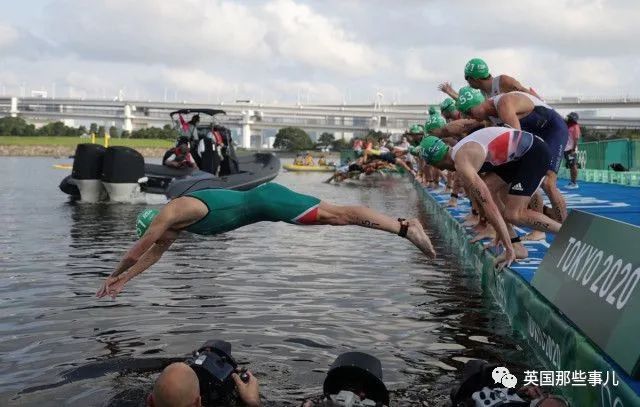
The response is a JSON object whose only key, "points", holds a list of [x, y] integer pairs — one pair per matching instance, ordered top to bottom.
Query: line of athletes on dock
{"points": [[497, 142]]}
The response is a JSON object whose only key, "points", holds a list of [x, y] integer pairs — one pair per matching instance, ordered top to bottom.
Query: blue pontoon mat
{"points": [[617, 202]]}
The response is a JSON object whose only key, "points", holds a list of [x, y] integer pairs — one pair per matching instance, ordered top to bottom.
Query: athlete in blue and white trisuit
{"points": [[523, 111], [215, 211]]}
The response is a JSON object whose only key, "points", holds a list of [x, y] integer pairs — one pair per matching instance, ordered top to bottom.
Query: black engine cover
{"points": [[87, 163], [122, 165]]}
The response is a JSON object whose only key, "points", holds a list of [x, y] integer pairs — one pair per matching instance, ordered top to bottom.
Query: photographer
{"points": [[210, 377], [353, 380]]}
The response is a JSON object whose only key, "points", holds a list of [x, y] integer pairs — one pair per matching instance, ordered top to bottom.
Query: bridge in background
{"points": [[252, 120]]}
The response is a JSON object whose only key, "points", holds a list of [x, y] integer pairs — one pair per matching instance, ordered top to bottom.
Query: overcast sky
{"points": [[317, 51]]}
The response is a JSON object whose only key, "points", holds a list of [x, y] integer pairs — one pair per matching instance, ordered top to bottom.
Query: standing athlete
{"points": [[570, 151], [215, 211]]}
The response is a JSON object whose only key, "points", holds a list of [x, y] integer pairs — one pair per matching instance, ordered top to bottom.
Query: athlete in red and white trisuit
{"points": [[516, 162]]}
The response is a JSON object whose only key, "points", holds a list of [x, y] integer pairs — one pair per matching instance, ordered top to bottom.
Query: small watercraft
{"points": [[309, 168], [120, 174]]}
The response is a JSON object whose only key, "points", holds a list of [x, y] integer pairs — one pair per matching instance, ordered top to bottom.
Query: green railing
{"points": [[600, 154], [596, 156]]}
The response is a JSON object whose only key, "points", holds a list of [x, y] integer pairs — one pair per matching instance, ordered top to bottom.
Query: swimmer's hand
{"points": [[446, 88], [505, 258], [112, 286], [248, 392]]}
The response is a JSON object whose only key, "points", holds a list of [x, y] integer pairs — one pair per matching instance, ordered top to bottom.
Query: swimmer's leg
{"points": [[550, 187], [274, 202], [536, 204], [336, 215]]}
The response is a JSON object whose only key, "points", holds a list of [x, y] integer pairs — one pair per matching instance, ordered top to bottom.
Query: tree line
{"points": [[17, 126], [296, 139]]}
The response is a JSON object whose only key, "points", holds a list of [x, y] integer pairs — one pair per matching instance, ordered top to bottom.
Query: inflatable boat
{"points": [[310, 168], [119, 174]]}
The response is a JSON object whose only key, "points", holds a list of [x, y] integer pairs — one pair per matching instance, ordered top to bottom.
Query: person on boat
{"points": [[477, 75], [523, 111], [190, 128], [571, 149], [179, 157], [308, 159], [298, 160], [322, 160], [518, 162], [215, 211]]}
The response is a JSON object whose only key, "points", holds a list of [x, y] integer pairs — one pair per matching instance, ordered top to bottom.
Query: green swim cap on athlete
{"points": [[476, 69], [468, 98], [448, 105], [433, 110], [434, 122], [416, 129], [431, 149], [144, 220]]}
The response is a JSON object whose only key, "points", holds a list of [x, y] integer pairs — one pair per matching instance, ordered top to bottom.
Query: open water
{"points": [[288, 298]]}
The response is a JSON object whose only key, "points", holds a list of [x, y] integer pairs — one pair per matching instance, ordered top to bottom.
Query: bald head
{"points": [[177, 386]]}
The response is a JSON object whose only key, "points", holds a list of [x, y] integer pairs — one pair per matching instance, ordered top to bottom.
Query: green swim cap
{"points": [[476, 69], [468, 98], [448, 105], [433, 110], [434, 122], [416, 129], [432, 149], [144, 220]]}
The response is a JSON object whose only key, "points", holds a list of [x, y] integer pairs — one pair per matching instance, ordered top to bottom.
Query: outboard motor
{"points": [[123, 167], [87, 172]]}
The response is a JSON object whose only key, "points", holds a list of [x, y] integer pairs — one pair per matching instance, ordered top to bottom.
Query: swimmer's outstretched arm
{"points": [[144, 253], [114, 284]]}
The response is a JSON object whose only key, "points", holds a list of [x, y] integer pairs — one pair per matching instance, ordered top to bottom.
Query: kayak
{"points": [[311, 168]]}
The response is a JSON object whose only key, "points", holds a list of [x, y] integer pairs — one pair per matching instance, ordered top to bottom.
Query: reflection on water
{"points": [[288, 298]]}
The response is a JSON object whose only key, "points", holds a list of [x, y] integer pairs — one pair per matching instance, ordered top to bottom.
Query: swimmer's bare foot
{"points": [[468, 216], [472, 221], [481, 226], [486, 233], [416, 235], [534, 235], [520, 251]]}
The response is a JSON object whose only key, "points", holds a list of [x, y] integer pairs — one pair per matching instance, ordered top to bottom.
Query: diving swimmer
{"points": [[215, 211]]}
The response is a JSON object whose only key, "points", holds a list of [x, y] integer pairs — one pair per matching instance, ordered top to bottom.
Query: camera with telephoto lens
{"points": [[213, 364], [355, 379]]}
